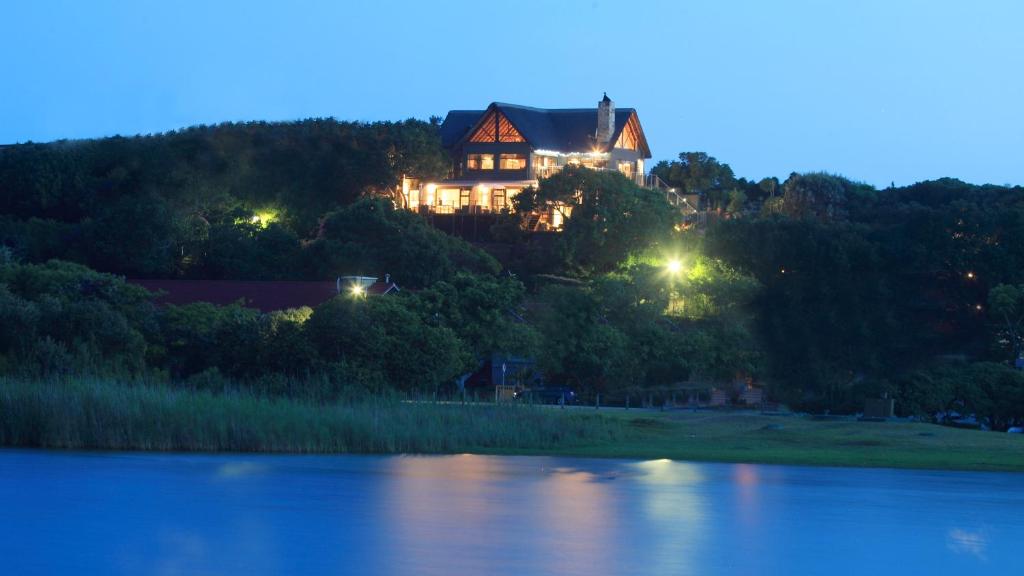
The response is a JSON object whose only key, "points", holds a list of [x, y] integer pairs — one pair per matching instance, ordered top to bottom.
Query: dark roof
{"points": [[456, 124], [561, 129], [381, 288], [265, 296]]}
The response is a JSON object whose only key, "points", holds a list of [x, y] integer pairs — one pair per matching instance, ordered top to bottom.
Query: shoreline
{"points": [[104, 415], [575, 455]]}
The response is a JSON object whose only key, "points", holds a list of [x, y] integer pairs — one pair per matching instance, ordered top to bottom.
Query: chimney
{"points": [[605, 122], [387, 278]]}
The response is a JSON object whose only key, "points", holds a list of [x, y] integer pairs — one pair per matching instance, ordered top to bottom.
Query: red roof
{"points": [[265, 296]]}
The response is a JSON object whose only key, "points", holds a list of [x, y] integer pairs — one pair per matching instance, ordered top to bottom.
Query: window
{"points": [[496, 128], [488, 131], [507, 132], [630, 137], [480, 162], [512, 162], [626, 168], [510, 193], [448, 196], [498, 199]]}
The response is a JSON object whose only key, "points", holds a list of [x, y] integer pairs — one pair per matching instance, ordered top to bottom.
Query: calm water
{"points": [[106, 513]]}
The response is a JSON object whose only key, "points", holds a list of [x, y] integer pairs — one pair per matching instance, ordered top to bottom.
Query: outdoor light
{"points": [[674, 266], [970, 275], [357, 290]]}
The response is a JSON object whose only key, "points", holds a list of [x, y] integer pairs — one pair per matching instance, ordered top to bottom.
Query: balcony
{"points": [[540, 172]]}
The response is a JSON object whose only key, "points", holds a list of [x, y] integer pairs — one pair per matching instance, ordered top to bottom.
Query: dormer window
{"points": [[480, 161]]}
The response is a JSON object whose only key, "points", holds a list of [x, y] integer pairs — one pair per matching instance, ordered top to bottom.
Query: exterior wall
{"points": [[635, 157]]}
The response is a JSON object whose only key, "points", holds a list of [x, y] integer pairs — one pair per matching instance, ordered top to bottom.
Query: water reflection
{"points": [[178, 514], [964, 542]]}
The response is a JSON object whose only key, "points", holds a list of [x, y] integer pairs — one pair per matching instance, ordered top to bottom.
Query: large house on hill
{"points": [[499, 151]]}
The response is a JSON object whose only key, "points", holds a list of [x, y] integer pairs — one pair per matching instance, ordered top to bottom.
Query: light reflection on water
{"points": [[187, 514]]}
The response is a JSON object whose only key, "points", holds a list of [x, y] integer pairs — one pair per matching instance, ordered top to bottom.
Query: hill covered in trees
{"points": [[226, 201], [824, 289]]}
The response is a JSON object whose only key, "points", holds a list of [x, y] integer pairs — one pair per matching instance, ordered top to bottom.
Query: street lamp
{"points": [[674, 267]]}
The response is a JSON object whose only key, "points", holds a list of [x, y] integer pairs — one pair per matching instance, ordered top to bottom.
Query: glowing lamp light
{"points": [[674, 266], [970, 275], [357, 290]]}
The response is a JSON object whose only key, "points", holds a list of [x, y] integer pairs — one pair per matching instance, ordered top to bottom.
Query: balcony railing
{"points": [[540, 172]]}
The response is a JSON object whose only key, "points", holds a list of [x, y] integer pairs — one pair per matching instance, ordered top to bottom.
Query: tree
{"points": [[695, 173], [822, 196], [737, 200], [144, 205], [608, 217], [371, 237], [1006, 306], [482, 311], [823, 315], [61, 317], [386, 340], [580, 347], [995, 393]]}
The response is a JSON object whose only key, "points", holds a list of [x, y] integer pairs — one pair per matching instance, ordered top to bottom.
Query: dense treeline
{"points": [[227, 201], [824, 289], [867, 292], [61, 318]]}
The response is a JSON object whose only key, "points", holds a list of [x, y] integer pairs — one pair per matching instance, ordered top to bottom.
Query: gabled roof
{"points": [[561, 129], [382, 288]]}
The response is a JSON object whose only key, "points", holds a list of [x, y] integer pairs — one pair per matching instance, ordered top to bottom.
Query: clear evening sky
{"points": [[877, 90]]}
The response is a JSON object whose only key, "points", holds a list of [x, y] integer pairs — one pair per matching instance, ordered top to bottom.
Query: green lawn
{"points": [[107, 415], [733, 437]]}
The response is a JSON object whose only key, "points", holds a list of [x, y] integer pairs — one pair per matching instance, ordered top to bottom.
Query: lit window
{"points": [[488, 131], [507, 132], [630, 137], [480, 162], [513, 162], [510, 194], [448, 196], [498, 199]]}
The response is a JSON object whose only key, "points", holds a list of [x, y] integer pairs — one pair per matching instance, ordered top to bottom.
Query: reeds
{"points": [[97, 413]]}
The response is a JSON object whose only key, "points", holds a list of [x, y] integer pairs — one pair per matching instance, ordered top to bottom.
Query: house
{"points": [[497, 152]]}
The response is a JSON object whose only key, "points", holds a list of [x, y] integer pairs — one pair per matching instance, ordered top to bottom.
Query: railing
{"points": [[540, 172], [467, 209]]}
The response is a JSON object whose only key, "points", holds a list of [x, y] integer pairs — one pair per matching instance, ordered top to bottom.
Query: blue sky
{"points": [[880, 91]]}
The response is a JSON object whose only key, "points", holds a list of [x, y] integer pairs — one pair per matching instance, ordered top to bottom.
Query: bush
{"points": [[372, 237]]}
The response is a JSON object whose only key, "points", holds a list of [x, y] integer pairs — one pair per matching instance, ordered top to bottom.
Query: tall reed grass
{"points": [[97, 413]]}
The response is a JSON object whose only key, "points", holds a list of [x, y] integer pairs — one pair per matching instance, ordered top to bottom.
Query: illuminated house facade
{"points": [[499, 151]]}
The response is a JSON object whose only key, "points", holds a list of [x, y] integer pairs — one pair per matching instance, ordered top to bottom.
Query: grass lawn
{"points": [[108, 415], [737, 437]]}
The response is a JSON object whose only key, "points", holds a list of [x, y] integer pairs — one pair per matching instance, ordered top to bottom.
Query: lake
{"points": [[140, 513]]}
